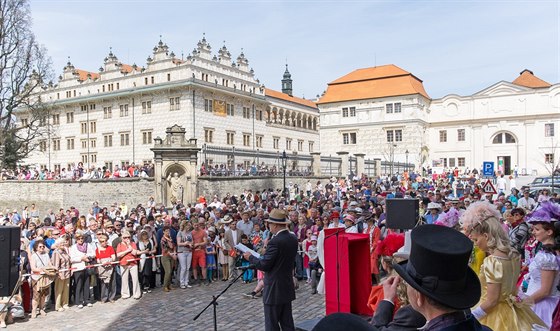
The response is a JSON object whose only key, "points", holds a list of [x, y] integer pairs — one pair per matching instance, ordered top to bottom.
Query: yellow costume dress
{"points": [[477, 257], [508, 314]]}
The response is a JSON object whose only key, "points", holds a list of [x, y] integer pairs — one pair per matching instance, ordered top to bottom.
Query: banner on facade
{"points": [[220, 108]]}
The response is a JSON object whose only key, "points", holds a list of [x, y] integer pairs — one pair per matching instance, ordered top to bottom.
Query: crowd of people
{"points": [[253, 169], [79, 172], [77, 258]]}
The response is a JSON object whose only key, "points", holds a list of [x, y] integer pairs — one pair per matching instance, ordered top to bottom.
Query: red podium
{"points": [[347, 272]]}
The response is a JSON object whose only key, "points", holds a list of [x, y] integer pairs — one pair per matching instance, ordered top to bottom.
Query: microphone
{"points": [[250, 266]]}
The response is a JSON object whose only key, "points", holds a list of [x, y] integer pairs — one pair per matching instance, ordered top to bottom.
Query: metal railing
{"points": [[231, 161]]}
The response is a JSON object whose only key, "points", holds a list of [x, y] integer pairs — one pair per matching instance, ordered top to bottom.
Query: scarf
{"points": [[82, 248]]}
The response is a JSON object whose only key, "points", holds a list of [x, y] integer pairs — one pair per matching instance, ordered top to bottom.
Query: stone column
{"points": [[316, 164], [344, 164], [360, 164], [377, 167], [160, 181]]}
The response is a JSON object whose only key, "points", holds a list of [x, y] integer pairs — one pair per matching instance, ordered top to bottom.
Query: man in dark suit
{"points": [[278, 265]]}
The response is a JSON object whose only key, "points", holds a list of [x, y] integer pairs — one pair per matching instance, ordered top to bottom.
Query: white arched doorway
{"points": [[505, 149]]}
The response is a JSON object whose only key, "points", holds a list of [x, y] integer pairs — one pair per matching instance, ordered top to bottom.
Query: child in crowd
{"points": [[210, 255], [248, 274]]}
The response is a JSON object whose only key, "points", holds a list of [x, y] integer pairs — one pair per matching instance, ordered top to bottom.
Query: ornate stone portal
{"points": [[175, 167]]}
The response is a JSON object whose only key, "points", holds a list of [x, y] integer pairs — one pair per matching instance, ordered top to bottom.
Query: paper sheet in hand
{"points": [[244, 249]]}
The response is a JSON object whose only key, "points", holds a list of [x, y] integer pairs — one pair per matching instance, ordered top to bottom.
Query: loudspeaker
{"points": [[402, 213], [9, 259]]}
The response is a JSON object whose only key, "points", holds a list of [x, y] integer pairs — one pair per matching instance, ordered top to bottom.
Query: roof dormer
{"points": [[203, 49], [225, 55]]}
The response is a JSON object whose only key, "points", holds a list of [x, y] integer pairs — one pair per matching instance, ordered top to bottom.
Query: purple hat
{"points": [[548, 212]]}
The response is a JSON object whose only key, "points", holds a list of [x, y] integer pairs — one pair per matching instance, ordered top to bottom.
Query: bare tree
{"points": [[24, 66]]}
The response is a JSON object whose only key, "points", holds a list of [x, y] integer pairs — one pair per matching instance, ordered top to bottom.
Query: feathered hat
{"points": [[547, 213], [449, 218], [390, 245]]}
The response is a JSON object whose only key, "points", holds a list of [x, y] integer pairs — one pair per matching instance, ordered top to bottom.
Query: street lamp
{"points": [[406, 153], [284, 160]]}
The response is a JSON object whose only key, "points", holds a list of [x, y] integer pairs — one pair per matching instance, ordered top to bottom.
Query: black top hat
{"points": [[438, 266]]}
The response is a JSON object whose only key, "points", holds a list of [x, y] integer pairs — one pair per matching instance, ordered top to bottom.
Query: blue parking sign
{"points": [[488, 169]]}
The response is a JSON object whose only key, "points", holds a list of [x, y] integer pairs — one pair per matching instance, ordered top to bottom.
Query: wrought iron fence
{"points": [[231, 161], [331, 166], [388, 167]]}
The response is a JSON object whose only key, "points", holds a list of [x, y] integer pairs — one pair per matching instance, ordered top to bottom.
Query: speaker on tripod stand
{"points": [[9, 258]]}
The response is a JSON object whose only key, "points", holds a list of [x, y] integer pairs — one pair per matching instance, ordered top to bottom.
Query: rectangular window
{"points": [[168, 77], [153, 80], [146, 81], [174, 103], [208, 105], [92, 106], [83, 107], [146, 107], [397, 107], [389, 108], [230, 109], [123, 110], [352, 111], [107, 112], [246, 112], [345, 112], [259, 115], [70, 117], [56, 119], [24, 122], [92, 127], [83, 128], [549, 130], [460, 134], [208, 135], [398, 135], [390, 136], [443, 136], [147, 137], [230, 138], [349, 138], [125, 139], [246, 139], [108, 140], [259, 141], [275, 142], [69, 143], [84, 143], [93, 143], [56, 144], [288, 144], [300, 145], [43, 146], [310, 147], [93, 157], [84, 158], [549, 158], [461, 161], [444, 162], [452, 162], [109, 165]]}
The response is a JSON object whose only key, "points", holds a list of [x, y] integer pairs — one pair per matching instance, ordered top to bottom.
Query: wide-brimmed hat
{"points": [[434, 205], [549, 212], [278, 216], [351, 218], [227, 219], [438, 266]]}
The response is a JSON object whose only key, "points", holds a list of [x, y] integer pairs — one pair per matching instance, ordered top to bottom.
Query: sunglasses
{"points": [[126, 237], [102, 241], [41, 246]]}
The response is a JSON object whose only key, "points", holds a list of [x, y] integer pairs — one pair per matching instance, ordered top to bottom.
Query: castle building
{"points": [[386, 113], [111, 117]]}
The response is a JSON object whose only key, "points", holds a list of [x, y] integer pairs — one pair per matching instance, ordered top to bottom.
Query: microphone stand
{"points": [[214, 302]]}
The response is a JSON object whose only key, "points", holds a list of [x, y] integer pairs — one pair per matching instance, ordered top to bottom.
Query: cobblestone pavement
{"points": [[175, 311]]}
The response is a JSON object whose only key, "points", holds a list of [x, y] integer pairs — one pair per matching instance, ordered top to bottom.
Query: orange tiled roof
{"points": [[127, 68], [83, 74], [527, 79], [375, 82], [283, 96]]}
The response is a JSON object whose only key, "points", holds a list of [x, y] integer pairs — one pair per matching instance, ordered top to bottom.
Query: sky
{"points": [[455, 47]]}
